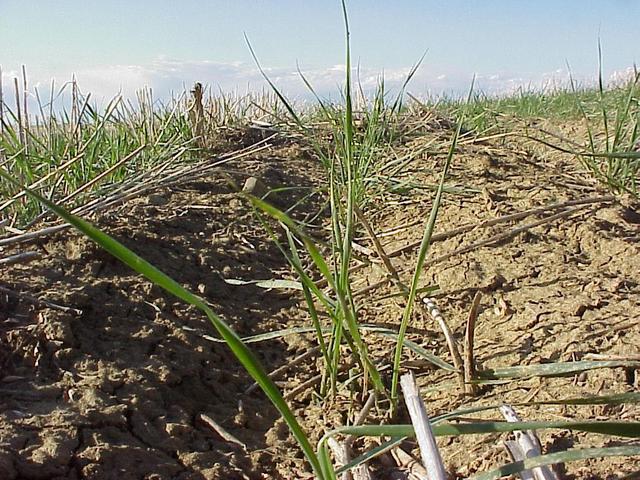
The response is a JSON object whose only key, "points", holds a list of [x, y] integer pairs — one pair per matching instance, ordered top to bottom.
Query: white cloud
{"points": [[165, 75]]}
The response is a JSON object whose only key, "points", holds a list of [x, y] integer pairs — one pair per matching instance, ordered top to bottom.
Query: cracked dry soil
{"points": [[117, 392]]}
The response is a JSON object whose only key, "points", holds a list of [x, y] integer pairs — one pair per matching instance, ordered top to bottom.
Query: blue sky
{"points": [[116, 45]]}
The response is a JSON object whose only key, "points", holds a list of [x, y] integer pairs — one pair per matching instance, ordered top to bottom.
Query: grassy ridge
{"points": [[69, 153]]}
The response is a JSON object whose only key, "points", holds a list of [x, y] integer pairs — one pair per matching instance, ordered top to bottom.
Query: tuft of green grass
{"points": [[613, 130], [352, 162]]}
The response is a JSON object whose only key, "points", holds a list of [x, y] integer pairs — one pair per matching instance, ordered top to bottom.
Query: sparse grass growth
{"points": [[72, 152], [58, 159]]}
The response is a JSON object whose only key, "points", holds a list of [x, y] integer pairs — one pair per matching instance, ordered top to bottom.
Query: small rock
{"points": [[255, 187], [156, 200], [235, 204]]}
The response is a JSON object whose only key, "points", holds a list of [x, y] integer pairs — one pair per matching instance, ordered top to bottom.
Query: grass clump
{"points": [[613, 130]]}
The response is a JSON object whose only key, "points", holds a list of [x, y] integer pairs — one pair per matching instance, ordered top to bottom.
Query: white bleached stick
{"points": [[420, 420], [526, 445]]}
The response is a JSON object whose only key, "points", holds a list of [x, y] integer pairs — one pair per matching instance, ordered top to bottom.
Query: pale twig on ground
{"points": [[506, 218], [506, 235], [27, 237], [438, 237], [482, 243], [377, 245], [24, 257], [434, 312], [631, 357], [469, 361], [217, 428], [526, 445], [340, 456], [431, 457], [414, 470], [361, 472]]}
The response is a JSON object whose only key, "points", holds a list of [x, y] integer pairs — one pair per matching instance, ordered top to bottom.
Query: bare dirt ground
{"points": [[122, 389]]}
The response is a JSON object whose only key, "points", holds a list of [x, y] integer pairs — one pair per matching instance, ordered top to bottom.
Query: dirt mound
{"points": [[133, 386], [119, 390]]}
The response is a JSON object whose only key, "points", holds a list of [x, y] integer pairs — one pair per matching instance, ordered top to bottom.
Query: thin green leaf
{"points": [[552, 369], [620, 429], [558, 457]]}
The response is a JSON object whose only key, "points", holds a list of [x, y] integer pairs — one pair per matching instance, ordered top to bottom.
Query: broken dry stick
{"points": [[24, 257], [41, 301], [434, 312], [469, 362], [280, 370], [209, 422], [525, 446], [431, 457], [415, 471]]}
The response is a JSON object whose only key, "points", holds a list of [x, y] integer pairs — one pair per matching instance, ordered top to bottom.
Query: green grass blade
{"points": [[553, 369], [617, 399], [620, 429], [557, 457], [325, 463]]}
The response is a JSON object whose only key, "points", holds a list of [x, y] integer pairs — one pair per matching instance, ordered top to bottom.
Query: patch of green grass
{"points": [[70, 153]]}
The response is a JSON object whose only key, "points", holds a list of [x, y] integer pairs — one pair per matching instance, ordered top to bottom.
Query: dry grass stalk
{"points": [[196, 114], [25, 117], [21, 134], [108, 171], [152, 179], [41, 180], [506, 218], [483, 224], [506, 235], [27, 237], [483, 243], [378, 247], [24, 257], [40, 301], [429, 305], [436, 315], [631, 357], [469, 362], [279, 371], [217, 428], [340, 456], [431, 457], [409, 464], [361, 472]]}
